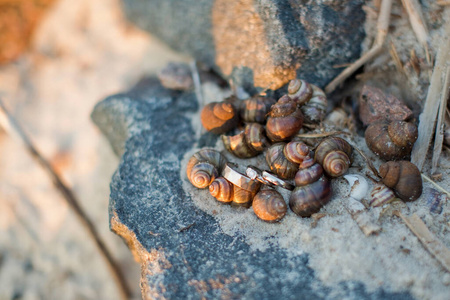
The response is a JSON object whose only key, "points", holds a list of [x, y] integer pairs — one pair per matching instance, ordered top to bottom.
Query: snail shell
{"points": [[300, 91], [255, 109], [314, 110], [219, 117], [284, 121], [391, 141], [248, 143], [334, 155], [283, 159], [204, 166], [308, 172], [403, 177], [222, 190], [380, 195], [242, 197], [308, 199], [269, 205]]}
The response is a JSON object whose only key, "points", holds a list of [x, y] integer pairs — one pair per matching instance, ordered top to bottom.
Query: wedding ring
{"points": [[255, 173], [235, 177], [277, 181]]}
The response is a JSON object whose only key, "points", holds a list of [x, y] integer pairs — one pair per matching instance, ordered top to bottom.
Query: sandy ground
{"points": [[82, 52]]}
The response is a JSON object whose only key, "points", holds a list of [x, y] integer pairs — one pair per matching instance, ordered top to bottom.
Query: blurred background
{"points": [[58, 58]]}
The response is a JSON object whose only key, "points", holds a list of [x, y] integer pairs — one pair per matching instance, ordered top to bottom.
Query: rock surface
{"points": [[263, 43], [183, 251]]}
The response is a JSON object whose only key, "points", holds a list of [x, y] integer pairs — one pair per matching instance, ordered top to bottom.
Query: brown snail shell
{"points": [[300, 91], [255, 109], [314, 110], [219, 117], [284, 120], [391, 141], [248, 143], [334, 154], [283, 159], [204, 166], [309, 171], [403, 177], [222, 190], [380, 195], [242, 197], [309, 199], [269, 206]]}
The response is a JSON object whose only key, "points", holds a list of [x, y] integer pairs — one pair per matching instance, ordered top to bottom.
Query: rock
{"points": [[18, 21], [261, 43], [374, 105], [183, 251]]}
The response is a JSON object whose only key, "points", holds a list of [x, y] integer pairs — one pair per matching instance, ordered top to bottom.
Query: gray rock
{"points": [[263, 43], [183, 251]]}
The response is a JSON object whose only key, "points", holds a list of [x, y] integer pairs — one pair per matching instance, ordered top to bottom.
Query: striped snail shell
{"points": [[300, 91], [255, 109], [314, 110], [219, 117], [284, 120], [391, 140], [248, 143], [334, 154], [283, 159], [204, 166], [403, 177], [222, 190], [313, 190], [380, 195], [269, 205]]}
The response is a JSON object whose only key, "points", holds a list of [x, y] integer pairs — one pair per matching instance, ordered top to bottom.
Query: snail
{"points": [[176, 76], [311, 98], [255, 109], [219, 117], [284, 120], [391, 140], [248, 143], [334, 154], [283, 159], [204, 166], [403, 177], [313, 189], [222, 190], [226, 192], [380, 195], [269, 205]]}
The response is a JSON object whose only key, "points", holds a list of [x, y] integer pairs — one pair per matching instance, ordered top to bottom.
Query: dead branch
{"points": [[418, 24]]}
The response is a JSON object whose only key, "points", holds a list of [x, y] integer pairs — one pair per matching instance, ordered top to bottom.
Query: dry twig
{"points": [[443, 2], [418, 24], [382, 29], [427, 119], [14, 130], [320, 135], [439, 137], [435, 184], [429, 241]]}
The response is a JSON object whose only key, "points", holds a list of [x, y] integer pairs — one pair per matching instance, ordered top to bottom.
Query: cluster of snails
{"points": [[270, 126]]}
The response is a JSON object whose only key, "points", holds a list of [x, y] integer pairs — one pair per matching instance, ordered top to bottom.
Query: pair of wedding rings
{"points": [[253, 179]]}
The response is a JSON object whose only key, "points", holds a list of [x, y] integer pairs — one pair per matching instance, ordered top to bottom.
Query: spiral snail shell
{"points": [[300, 91], [311, 98], [255, 109], [219, 117], [284, 120], [391, 140], [248, 143], [334, 155], [283, 159], [204, 166], [403, 177], [222, 190], [313, 190], [380, 195], [269, 205]]}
